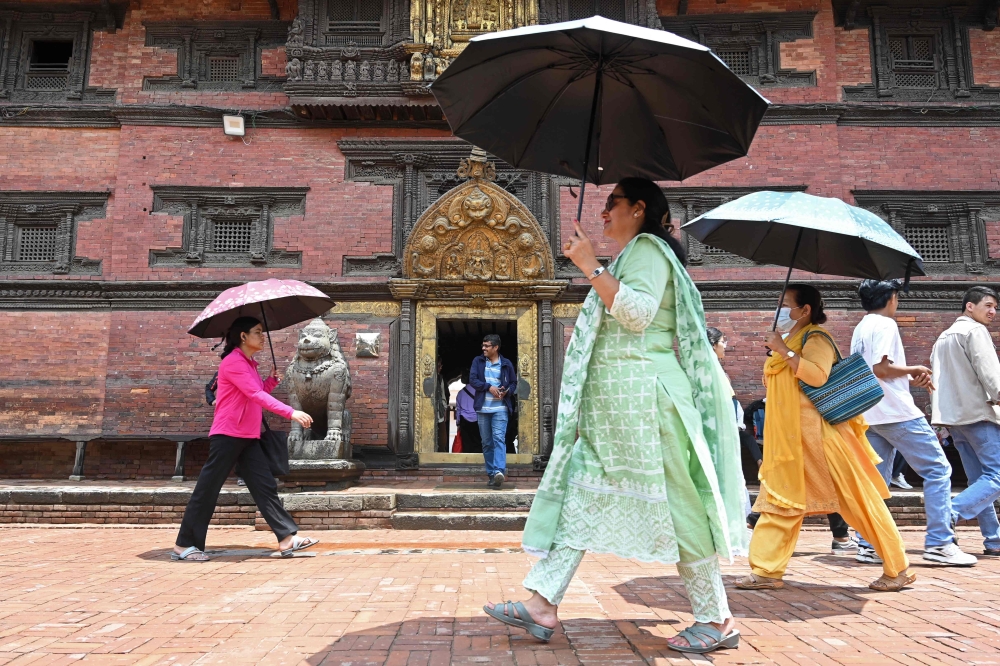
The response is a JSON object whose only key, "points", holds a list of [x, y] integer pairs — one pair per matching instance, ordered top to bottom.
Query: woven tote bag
{"points": [[851, 388]]}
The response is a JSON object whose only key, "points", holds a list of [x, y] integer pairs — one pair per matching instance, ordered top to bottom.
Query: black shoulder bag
{"points": [[275, 446]]}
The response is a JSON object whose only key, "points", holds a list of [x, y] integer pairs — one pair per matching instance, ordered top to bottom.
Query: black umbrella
{"points": [[599, 100]]}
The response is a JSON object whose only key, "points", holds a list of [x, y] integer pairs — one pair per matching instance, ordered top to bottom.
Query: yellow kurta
{"points": [[813, 467]]}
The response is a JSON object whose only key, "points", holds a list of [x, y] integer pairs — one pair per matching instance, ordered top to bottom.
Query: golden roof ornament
{"points": [[476, 166]]}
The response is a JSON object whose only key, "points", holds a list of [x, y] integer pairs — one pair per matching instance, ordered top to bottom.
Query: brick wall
{"points": [[985, 47], [121, 59], [341, 218], [53, 374]]}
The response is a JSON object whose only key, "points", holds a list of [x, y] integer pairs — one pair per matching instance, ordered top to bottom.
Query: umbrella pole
{"points": [[590, 136], [788, 277], [274, 363]]}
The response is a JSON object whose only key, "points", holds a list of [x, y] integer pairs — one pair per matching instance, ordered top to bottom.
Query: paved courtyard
{"points": [[111, 595]]}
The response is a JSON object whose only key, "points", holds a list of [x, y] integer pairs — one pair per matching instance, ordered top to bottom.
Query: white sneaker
{"points": [[900, 482], [949, 554], [867, 555]]}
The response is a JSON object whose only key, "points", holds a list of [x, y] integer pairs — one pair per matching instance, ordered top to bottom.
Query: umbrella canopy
{"points": [[599, 98], [816, 234], [279, 303]]}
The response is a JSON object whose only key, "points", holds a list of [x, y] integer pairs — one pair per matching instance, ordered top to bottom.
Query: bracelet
{"points": [[597, 272]]}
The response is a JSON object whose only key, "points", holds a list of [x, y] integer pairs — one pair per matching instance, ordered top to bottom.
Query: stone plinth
{"points": [[322, 463]]}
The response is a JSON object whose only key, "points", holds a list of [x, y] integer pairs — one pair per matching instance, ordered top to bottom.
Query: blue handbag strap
{"points": [[805, 337]]}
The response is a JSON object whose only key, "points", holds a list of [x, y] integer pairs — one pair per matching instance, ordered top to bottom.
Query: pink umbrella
{"points": [[279, 304]]}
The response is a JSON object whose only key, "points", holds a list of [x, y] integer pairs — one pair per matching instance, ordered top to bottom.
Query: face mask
{"points": [[785, 321]]}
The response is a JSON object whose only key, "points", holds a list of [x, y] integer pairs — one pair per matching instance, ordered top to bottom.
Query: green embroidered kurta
{"points": [[646, 451]]}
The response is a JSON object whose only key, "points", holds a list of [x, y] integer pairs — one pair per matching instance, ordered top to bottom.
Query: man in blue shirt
{"points": [[495, 382]]}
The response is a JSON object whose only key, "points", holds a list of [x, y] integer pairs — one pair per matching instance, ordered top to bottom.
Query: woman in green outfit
{"points": [[645, 462]]}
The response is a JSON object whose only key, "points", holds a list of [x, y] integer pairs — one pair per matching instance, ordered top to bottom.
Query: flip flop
{"points": [[299, 543], [186, 555], [755, 582], [886, 584], [505, 613], [708, 638]]}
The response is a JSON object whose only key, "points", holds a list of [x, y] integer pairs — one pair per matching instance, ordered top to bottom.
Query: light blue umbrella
{"points": [[817, 234]]}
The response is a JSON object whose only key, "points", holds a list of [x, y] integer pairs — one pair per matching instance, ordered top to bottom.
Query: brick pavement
{"points": [[110, 596]]}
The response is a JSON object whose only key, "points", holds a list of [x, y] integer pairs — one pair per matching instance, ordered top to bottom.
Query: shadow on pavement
{"points": [[231, 553], [668, 593], [477, 640]]}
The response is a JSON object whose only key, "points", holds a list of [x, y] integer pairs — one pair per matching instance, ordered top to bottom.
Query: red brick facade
{"points": [[130, 376]]}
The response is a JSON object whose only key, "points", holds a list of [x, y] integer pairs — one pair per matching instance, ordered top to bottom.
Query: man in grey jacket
{"points": [[964, 362]]}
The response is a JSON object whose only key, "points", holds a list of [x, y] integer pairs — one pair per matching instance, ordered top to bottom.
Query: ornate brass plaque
{"points": [[478, 232]]}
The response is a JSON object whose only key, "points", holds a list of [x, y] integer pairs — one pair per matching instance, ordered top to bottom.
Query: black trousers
{"points": [[223, 453], [837, 525]]}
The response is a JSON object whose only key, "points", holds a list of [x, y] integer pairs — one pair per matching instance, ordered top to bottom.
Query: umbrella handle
{"points": [[788, 277], [274, 362]]}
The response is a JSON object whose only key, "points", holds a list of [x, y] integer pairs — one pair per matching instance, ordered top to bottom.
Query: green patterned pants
{"points": [[703, 580]]}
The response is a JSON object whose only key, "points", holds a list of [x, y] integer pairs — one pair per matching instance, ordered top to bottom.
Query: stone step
{"points": [[503, 500], [444, 519]]}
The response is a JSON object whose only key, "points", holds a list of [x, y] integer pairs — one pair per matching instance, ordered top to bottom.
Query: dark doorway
{"points": [[458, 342]]}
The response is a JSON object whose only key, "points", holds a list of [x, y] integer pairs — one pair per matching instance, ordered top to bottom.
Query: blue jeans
{"points": [[493, 430], [919, 446], [978, 470]]}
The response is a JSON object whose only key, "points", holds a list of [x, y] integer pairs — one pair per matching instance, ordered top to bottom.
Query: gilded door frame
{"points": [[525, 313]]}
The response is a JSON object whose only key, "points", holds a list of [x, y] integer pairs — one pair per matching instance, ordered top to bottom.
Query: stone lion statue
{"points": [[318, 382]]}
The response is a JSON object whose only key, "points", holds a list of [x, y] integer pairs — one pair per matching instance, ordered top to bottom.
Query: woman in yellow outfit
{"points": [[812, 467]]}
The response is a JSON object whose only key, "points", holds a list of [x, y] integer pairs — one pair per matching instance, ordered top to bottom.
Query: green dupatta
{"points": [[716, 441]]}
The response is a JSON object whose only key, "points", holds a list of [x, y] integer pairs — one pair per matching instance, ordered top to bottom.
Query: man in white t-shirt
{"points": [[897, 426]]}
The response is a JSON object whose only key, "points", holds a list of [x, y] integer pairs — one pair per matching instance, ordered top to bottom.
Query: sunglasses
{"points": [[610, 203]]}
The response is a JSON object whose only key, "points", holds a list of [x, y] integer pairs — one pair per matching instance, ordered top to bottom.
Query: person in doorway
{"points": [[965, 364], [495, 382], [442, 400], [466, 419], [896, 424], [235, 437], [642, 465], [810, 466]]}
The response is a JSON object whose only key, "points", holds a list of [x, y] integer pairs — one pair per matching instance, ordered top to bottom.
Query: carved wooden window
{"points": [[612, 9], [637, 12], [361, 22], [750, 44], [216, 55], [918, 55], [45, 56], [738, 60], [913, 61], [49, 64], [223, 68], [227, 227], [947, 228], [38, 231], [931, 241], [36, 243]]}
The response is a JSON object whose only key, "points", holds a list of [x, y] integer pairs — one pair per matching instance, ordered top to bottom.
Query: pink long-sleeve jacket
{"points": [[242, 397]]}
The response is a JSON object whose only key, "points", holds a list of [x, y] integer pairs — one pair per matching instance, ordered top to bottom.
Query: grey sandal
{"points": [[299, 543], [190, 554], [505, 613], [708, 638]]}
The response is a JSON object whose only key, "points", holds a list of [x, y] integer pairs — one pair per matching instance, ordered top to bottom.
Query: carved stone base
{"points": [[319, 449], [330, 474]]}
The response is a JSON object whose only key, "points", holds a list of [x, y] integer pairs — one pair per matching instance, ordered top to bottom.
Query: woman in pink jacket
{"points": [[240, 400]]}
